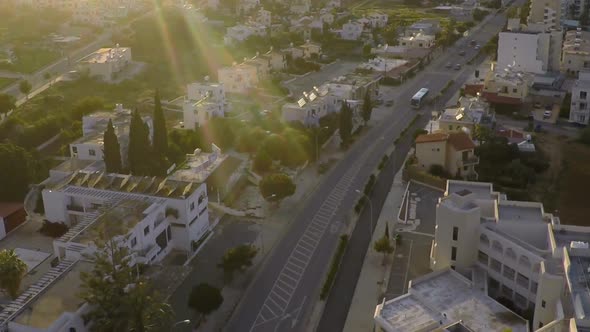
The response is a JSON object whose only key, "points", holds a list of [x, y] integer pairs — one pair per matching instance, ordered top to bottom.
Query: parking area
{"points": [[546, 113], [412, 255]]}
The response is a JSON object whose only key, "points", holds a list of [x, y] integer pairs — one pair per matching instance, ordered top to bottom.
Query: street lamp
{"points": [[317, 149], [370, 207], [186, 321]]}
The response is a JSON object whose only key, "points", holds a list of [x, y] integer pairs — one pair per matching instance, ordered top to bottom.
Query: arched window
{"points": [[483, 239], [497, 246], [511, 254], [524, 261], [536, 267], [72, 329]]}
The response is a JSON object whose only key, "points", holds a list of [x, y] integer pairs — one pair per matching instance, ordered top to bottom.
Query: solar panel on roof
{"points": [[312, 96], [301, 102]]}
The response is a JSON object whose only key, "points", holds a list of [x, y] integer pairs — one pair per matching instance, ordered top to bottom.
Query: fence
{"points": [[412, 172]]}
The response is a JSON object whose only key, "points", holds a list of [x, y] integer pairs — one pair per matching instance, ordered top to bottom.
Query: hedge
{"points": [[334, 266]]}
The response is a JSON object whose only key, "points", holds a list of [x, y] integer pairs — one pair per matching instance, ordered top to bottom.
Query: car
{"points": [[472, 42], [477, 47], [461, 53], [448, 65], [458, 66], [537, 105], [547, 114]]}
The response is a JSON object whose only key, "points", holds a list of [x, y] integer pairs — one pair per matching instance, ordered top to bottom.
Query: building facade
{"points": [[576, 52], [106, 63], [580, 104], [455, 152]]}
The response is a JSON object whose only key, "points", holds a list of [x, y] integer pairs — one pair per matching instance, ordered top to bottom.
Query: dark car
{"points": [[461, 53]]}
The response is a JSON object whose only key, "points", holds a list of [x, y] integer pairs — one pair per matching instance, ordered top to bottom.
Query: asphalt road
{"points": [[283, 294]]}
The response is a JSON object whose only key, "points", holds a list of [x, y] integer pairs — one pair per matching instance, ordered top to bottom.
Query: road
{"points": [[285, 290]]}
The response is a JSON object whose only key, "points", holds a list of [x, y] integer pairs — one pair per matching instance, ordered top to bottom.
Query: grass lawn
{"points": [[33, 59], [4, 82]]}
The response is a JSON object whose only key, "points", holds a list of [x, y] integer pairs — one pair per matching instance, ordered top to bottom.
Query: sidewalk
{"points": [[372, 282]]}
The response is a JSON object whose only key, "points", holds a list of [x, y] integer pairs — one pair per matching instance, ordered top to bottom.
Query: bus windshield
{"points": [[418, 98]]}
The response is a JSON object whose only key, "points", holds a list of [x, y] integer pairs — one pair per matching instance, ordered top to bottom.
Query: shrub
{"points": [[437, 170], [53, 229], [334, 266]]}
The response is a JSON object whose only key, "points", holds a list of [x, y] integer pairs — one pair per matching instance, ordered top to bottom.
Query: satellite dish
{"points": [[207, 78]]}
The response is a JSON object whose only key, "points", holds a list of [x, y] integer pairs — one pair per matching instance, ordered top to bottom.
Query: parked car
{"points": [[472, 42], [477, 47], [461, 53], [448, 65], [458, 66], [537, 105], [547, 114]]}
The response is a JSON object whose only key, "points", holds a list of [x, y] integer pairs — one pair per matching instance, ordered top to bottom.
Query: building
{"points": [[246, 6], [299, 7], [572, 9], [546, 12], [263, 17], [378, 20], [427, 27], [352, 30], [239, 33], [418, 40], [311, 50], [530, 50], [403, 52], [576, 52], [276, 59], [106, 63], [382, 65], [241, 78], [506, 86], [199, 90], [580, 106], [311, 107], [197, 113], [469, 113], [90, 145], [455, 152], [12, 215], [522, 252], [446, 301]]}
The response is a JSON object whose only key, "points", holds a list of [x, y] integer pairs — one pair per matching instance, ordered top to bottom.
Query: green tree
{"points": [[524, 12], [479, 14], [25, 88], [6, 103], [86, 106], [367, 107], [564, 111], [345, 124], [482, 133], [160, 138], [275, 145], [112, 150], [138, 157], [262, 162], [17, 172], [275, 187], [384, 246], [237, 259], [12, 271], [205, 298], [119, 299]]}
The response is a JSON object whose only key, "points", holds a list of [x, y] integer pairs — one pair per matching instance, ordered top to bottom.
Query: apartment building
{"points": [[572, 9], [546, 12], [263, 17], [378, 20], [239, 33], [418, 40], [311, 50], [530, 51], [576, 52], [276, 59], [106, 63], [243, 77], [506, 86], [199, 90], [312, 106], [580, 106], [197, 113], [90, 145], [455, 152], [523, 253]]}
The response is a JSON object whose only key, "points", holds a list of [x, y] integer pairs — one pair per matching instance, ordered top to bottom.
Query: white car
{"points": [[547, 114]]}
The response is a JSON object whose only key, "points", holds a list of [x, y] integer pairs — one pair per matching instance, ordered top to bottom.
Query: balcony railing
{"points": [[74, 207]]}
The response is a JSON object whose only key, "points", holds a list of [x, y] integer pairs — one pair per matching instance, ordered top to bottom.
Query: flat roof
{"points": [[103, 55], [73, 164], [198, 166], [143, 185], [482, 190], [512, 210], [60, 297], [443, 298]]}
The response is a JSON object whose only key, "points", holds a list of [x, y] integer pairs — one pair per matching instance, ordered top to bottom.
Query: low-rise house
{"points": [[333, 4], [300, 7], [263, 17], [326, 17], [378, 20], [427, 27], [352, 30], [239, 33], [418, 40], [311, 50], [400, 52], [576, 52], [276, 59], [106, 63], [382, 65], [242, 77], [506, 86], [200, 90], [580, 104], [311, 107], [197, 113], [469, 113], [523, 141], [91, 145], [454, 152], [12, 215]]}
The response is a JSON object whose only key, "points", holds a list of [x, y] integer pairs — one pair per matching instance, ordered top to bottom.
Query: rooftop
{"points": [[577, 42], [105, 55], [428, 138], [461, 141], [74, 164], [199, 166], [143, 185], [482, 190], [8, 208], [520, 211], [60, 297], [444, 299]]}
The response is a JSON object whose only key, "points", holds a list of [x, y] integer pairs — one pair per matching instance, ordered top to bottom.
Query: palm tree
{"points": [[12, 271]]}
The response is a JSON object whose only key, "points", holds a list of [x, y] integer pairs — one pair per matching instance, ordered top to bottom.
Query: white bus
{"points": [[419, 98]]}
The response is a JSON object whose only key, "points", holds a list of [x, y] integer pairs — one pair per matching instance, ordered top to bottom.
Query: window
{"points": [[515, 90], [583, 94], [582, 106], [74, 149], [92, 152], [465, 168], [192, 206], [146, 230], [455, 233], [133, 242], [453, 253], [543, 303], [540, 324], [72, 329]]}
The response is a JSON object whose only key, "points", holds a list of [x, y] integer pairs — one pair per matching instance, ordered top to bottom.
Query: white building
{"points": [[263, 17], [378, 20], [352, 30], [240, 33], [418, 40], [576, 52], [106, 63], [243, 77], [199, 90], [580, 105], [311, 107], [197, 113], [91, 145], [522, 252]]}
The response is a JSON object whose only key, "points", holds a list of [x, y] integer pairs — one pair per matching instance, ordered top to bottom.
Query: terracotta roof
{"points": [[494, 98], [510, 133], [427, 138], [461, 141], [8, 208]]}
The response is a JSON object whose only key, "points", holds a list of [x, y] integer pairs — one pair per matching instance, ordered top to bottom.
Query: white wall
{"points": [[523, 50], [85, 150], [54, 204], [2, 229]]}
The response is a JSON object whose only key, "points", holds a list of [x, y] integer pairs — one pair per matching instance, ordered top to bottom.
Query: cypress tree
{"points": [[345, 123], [160, 132], [139, 146], [112, 150]]}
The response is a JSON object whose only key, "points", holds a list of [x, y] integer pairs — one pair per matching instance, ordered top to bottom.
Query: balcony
{"points": [[471, 160], [75, 208]]}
